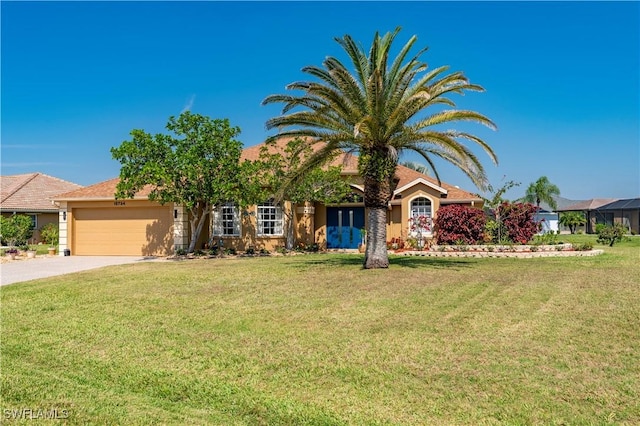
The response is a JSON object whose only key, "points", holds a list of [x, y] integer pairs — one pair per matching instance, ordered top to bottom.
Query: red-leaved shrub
{"points": [[518, 219], [456, 223]]}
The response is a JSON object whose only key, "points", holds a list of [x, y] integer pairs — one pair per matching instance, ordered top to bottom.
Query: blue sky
{"points": [[561, 79]]}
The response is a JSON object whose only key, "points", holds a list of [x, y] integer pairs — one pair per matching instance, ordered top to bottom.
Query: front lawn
{"points": [[314, 339]]}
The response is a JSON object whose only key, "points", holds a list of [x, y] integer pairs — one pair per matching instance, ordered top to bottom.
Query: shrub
{"points": [[518, 219], [460, 223], [600, 227], [16, 229], [495, 232], [50, 234], [611, 234], [548, 238], [411, 243], [582, 247], [309, 248], [313, 248]]}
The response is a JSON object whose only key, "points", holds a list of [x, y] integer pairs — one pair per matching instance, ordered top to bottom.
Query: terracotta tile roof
{"points": [[349, 162], [100, 191], [32, 192], [592, 204]]}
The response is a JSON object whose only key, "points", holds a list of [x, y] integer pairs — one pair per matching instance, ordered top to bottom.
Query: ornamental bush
{"points": [[519, 221], [457, 224], [16, 229], [50, 234], [611, 234]]}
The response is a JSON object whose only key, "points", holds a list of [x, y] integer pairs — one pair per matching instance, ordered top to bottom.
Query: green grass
{"points": [[314, 339]]}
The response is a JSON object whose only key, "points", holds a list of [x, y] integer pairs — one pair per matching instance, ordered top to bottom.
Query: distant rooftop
{"points": [[32, 192], [592, 204], [627, 204]]}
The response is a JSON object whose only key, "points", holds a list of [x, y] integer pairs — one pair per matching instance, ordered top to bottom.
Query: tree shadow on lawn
{"points": [[394, 261], [432, 262]]}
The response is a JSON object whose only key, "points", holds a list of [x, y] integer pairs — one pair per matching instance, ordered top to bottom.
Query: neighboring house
{"points": [[31, 194], [590, 210], [626, 212], [548, 217], [548, 220], [97, 223]]}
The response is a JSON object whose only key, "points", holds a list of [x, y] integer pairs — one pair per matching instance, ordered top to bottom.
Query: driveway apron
{"points": [[43, 267]]}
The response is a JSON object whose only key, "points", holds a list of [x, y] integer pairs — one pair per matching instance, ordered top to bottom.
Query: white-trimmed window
{"points": [[422, 207], [269, 219], [226, 220]]}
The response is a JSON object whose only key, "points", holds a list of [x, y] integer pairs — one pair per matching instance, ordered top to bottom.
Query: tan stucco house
{"points": [[31, 194], [98, 224]]}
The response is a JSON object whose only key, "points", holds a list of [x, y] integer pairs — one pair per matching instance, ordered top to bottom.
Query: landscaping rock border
{"points": [[512, 254]]}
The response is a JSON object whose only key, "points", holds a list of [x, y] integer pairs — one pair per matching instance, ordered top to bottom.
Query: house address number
{"points": [[118, 203]]}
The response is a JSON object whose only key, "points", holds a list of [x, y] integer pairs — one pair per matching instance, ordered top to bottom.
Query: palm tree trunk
{"points": [[377, 194], [376, 253]]}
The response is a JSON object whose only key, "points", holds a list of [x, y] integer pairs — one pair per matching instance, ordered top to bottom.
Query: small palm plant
{"points": [[572, 220]]}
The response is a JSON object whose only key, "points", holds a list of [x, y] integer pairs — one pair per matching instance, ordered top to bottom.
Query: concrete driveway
{"points": [[42, 267]]}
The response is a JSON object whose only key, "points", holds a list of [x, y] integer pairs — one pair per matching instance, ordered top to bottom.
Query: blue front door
{"points": [[343, 227]]}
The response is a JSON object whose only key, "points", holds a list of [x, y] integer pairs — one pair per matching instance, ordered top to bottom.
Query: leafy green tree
{"points": [[375, 111], [197, 166], [325, 185], [542, 190], [572, 220], [16, 229]]}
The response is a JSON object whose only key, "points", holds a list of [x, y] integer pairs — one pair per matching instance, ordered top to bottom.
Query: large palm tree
{"points": [[374, 112], [542, 190]]}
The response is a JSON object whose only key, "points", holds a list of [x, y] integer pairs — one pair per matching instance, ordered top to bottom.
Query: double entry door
{"points": [[343, 227]]}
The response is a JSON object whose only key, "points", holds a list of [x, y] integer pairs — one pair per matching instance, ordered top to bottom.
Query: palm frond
{"points": [[378, 104]]}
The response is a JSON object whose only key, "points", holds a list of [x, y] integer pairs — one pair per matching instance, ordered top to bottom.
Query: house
{"points": [[31, 194], [590, 210], [625, 212], [96, 223], [339, 226]]}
